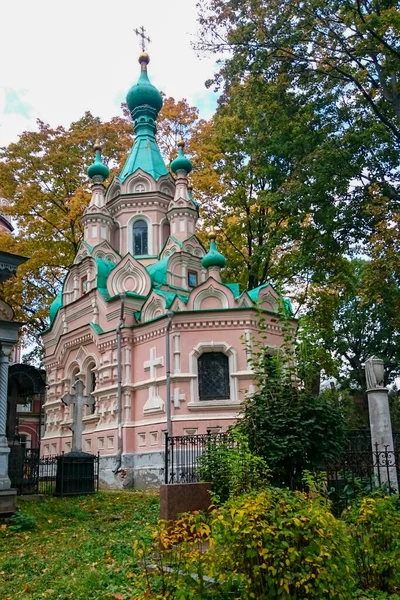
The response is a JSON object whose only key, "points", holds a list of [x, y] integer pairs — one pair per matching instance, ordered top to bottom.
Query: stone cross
{"points": [[140, 33], [153, 363], [178, 398], [77, 400], [154, 402]]}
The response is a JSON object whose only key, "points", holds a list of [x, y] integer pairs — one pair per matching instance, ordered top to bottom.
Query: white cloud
{"points": [[82, 55]]}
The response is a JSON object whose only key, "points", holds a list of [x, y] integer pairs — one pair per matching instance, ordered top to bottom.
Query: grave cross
{"points": [[140, 33], [77, 400]]}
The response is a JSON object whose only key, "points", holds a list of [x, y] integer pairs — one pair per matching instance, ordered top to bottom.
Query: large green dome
{"points": [[143, 93]]}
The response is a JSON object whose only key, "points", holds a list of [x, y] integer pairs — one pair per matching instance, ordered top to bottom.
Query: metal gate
{"points": [[23, 469]]}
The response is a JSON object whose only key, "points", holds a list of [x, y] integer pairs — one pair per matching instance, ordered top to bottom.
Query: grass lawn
{"points": [[80, 548]]}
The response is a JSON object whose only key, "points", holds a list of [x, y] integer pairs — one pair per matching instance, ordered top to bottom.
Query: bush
{"points": [[230, 467], [22, 522], [374, 523], [270, 545], [286, 546]]}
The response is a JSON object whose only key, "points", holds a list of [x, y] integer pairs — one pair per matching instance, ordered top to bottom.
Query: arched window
{"points": [[166, 230], [140, 245], [213, 369], [91, 386]]}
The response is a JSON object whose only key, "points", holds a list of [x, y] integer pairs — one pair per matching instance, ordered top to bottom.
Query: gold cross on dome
{"points": [[141, 33]]}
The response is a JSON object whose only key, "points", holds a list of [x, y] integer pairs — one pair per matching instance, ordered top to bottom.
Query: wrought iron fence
{"points": [[182, 453], [23, 469], [358, 471], [362, 472], [60, 475]]}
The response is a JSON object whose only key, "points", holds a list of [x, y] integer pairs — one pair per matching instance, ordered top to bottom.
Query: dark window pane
{"points": [[140, 238], [192, 279], [213, 376]]}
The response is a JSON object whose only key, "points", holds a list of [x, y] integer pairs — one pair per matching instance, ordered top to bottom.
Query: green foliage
{"points": [[308, 134], [352, 326], [291, 427], [231, 467], [21, 521], [374, 524], [267, 545]]}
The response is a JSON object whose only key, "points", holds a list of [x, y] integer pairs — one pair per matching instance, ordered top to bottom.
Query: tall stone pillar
{"points": [[380, 424], [7, 495]]}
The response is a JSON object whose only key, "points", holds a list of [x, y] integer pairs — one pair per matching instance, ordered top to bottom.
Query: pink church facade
{"points": [[141, 278]]}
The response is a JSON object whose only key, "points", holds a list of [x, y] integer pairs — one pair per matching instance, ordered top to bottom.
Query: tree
{"points": [[350, 49], [343, 58], [44, 177], [266, 181], [351, 326], [289, 426]]}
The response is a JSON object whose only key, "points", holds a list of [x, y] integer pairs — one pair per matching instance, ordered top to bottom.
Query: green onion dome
{"points": [[143, 93], [181, 163], [98, 168], [213, 258]]}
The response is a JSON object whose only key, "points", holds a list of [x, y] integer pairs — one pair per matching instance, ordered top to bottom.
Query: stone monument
{"points": [[8, 337], [380, 423]]}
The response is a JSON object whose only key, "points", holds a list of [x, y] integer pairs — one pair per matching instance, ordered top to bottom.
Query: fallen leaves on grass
{"points": [[79, 549]]}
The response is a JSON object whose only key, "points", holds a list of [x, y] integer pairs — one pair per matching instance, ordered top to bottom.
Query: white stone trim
{"points": [[129, 233], [210, 292], [197, 351]]}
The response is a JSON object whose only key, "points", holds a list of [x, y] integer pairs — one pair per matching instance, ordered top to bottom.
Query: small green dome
{"points": [[143, 93], [181, 163], [98, 168], [213, 258], [55, 307]]}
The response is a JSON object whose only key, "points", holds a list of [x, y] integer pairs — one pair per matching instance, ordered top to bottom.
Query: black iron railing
{"points": [[182, 453], [23, 469], [363, 472], [56, 474]]}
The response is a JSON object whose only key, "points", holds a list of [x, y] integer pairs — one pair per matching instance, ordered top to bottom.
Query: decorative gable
{"points": [[171, 246], [193, 246], [106, 252], [129, 276], [80, 279], [211, 295], [244, 300], [155, 306]]}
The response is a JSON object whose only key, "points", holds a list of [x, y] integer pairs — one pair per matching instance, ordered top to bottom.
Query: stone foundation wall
{"points": [[138, 471]]}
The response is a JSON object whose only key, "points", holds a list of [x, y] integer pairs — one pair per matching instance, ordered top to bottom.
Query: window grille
{"points": [[140, 245], [213, 376]]}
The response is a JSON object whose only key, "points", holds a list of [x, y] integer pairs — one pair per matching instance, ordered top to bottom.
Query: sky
{"points": [[60, 59]]}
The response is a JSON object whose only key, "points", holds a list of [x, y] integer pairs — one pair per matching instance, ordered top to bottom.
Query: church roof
{"points": [[144, 102], [144, 155], [104, 267], [158, 271], [235, 289], [170, 297], [55, 307]]}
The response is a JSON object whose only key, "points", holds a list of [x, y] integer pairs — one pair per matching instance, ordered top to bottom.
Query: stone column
{"points": [[5, 351], [380, 424], [8, 496]]}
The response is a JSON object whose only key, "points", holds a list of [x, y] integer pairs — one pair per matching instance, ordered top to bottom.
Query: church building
{"points": [[144, 336]]}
